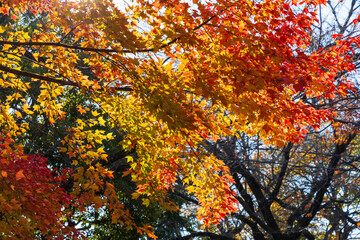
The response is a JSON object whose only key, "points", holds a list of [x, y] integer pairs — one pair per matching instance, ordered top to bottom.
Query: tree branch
{"points": [[103, 50], [37, 76], [53, 80], [282, 172], [326, 179], [185, 197], [264, 204], [248, 206], [257, 234], [212, 236]]}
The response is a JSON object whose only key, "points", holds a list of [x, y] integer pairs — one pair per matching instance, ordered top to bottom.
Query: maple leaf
{"points": [[4, 174], [19, 175]]}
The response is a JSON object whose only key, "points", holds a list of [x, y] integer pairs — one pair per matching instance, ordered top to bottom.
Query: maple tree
{"points": [[166, 74], [307, 190]]}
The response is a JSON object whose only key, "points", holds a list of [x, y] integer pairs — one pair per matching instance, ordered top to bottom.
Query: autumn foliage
{"points": [[166, 74], [31, 197]]}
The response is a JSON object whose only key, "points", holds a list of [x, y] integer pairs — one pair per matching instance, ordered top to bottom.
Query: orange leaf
{"points": [[81, 110], [4, 174], [19, 175]]}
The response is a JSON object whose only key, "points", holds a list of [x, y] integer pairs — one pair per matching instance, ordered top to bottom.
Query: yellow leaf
{"points": [[26, 36], [6, 47], [36, 56], [17, 95], [36, 107], [18, 114], [101, 121], [109, 136], [130, 159], [133, 166], [191, 189], [135, 195], [146, 202]]}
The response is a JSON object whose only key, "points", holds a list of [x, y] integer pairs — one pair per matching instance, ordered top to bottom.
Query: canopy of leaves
{"points": [[156, 78]]}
